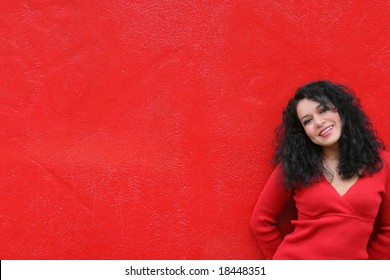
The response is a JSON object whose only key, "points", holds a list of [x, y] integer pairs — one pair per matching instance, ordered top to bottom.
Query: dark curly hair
{"points": [[302, 161]]}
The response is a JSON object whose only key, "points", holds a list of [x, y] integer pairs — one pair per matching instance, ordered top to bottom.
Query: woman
{"points": [[329, 160]]}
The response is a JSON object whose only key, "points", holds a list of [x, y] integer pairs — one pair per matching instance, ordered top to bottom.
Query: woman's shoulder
{"points": [[385, 156]]}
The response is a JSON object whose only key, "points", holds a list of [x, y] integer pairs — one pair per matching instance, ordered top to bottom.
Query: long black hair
{"points": [[302, 161]]}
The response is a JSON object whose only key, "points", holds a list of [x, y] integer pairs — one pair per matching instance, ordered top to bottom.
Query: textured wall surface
{"points": [[143, 129]]}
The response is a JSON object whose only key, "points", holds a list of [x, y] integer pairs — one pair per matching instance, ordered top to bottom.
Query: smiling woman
{"points": [[321, 123], [329, 160]]}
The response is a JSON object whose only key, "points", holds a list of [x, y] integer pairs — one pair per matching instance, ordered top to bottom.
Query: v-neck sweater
{"points": [[329, 226]]}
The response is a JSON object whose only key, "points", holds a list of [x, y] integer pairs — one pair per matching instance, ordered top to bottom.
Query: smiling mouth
{"points": [[326, 131]]}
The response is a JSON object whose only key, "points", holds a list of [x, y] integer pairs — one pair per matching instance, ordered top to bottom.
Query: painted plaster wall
{"points": [[143, 129]]}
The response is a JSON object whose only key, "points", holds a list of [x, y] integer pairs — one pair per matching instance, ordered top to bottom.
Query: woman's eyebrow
{"points": [[307, 115]]}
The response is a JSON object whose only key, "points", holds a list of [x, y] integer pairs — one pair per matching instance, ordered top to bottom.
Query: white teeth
{"points": [[326, 130]]}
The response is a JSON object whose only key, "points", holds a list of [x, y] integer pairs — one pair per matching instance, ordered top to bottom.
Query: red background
{"points": [[143, 129]]}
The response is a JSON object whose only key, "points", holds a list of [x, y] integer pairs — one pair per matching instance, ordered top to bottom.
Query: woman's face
{"points": [[322, 124]]}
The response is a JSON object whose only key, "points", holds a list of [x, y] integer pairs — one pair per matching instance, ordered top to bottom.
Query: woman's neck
{"points": [[331, 153], [331, 162]]}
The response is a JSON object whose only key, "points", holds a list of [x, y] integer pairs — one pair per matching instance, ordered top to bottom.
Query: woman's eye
{"points": [[324, 109], [306, 122]]}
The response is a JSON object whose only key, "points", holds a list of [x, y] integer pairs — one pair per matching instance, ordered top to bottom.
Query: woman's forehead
{"points": [[308, 105]]}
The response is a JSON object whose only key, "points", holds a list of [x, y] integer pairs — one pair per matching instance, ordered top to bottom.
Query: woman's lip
{"points": [[326, 131]]}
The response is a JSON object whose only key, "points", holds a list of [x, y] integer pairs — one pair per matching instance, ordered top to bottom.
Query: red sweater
{"points": [[329, 225]]}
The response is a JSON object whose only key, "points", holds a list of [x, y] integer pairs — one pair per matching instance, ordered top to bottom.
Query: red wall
{"points": [[143, 129]]}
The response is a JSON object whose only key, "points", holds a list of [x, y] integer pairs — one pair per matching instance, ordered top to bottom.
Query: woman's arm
{"points": [[270, 204], [379, 248]]}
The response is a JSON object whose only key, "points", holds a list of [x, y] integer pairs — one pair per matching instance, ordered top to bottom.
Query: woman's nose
{"points": [[319, 121]]}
